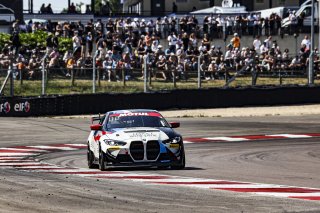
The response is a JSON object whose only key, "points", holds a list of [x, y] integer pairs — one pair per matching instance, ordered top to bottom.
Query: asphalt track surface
{"points": [[292, 162]]}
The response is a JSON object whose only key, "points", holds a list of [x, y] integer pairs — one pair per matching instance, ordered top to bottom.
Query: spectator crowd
{"points": [[173, 47]]}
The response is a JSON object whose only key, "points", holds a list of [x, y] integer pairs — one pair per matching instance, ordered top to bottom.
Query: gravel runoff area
{"points": [[297, 110]]}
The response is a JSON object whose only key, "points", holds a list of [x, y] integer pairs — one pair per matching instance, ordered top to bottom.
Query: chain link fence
{"points": [[148, 73]]}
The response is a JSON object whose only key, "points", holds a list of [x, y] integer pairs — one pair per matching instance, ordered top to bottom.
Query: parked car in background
{"points": [[283, 12], [305, 12], [6, 14]]}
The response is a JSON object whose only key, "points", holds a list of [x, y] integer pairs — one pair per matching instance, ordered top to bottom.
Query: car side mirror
{"points": [[174, 124], [96, 127]]}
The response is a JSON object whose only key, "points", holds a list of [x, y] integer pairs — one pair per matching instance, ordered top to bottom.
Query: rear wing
{"points": [[98, 118]]}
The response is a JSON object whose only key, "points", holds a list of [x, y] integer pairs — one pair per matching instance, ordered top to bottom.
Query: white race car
{"points": [[134, 138]]}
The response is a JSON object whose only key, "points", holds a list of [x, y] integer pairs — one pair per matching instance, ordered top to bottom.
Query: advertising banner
{"points": [[15, 107]]}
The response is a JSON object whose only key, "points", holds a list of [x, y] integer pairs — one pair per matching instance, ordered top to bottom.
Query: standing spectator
{"points": [[174, 7], [72, 8], [43, 9], [49, 9], [250, 19], [300, 19], [293, 20], [173, 22], [221, 23], [272, 23], [278, 23], [205, 24], [238, 24], [229, 25], [244, 25], [49, 26], [266, 26], [158, 27], [165, 27], [55, 40], [15, 41], [76, 41], [185, 41], [193, 41], [206, 41], [268, 42], [306, 42], [49, 44], [89, 44], [256, 44], [83, 46], [263, 48]]}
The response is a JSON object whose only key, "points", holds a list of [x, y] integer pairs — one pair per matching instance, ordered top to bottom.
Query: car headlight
{"points": [[173, 140], [114, 142]]}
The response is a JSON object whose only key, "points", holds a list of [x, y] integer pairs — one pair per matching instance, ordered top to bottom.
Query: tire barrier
{"points": [[176, 99]]}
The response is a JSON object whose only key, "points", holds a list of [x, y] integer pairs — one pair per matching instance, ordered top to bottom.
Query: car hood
{"points": [[285, 22], [142, 134]]}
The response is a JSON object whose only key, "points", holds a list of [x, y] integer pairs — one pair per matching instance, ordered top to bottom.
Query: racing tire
{"points": [[90, 159], [102, 161], [182, 162]]}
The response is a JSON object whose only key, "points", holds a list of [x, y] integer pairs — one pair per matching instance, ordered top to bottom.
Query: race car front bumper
{"points": [[166, 157]]}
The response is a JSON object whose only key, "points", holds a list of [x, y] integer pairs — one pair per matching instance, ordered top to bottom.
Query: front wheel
{"points": [[90, 158], [102, 161], [182, 162]]}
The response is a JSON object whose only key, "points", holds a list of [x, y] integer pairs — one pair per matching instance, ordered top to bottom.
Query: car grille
{"points": [[137, 150], [153, 150], [124, 158]]}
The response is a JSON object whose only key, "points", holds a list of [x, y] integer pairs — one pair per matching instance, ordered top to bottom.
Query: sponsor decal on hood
{"points": [[137, 114]]}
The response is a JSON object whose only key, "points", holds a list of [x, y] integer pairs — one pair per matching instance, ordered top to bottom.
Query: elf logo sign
{"points": [[5, 107], [22, 107]]}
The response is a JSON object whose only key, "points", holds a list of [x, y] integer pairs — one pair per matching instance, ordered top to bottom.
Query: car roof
{"points": [[6, 8], [131, 111]]}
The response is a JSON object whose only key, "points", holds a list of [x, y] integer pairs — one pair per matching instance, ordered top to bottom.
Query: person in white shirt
{"points": [[293, 20], [220, 25], [229, 25], [165, 26], [172, 39], [76, 41], [306, 41], [268, 42], [256, 44], [263, 48]]}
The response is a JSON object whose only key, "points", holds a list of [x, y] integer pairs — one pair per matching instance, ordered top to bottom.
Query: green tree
{"points": [[114, 5], [78, 6]]}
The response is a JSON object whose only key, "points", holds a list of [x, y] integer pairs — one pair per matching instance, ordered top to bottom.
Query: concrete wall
{"points": [[176, 99]]}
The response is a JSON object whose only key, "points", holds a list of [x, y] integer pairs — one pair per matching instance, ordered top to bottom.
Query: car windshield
{"points": [[127, 120]]}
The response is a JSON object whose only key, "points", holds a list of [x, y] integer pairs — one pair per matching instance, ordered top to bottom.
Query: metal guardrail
{"points": [[148, 74]]}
